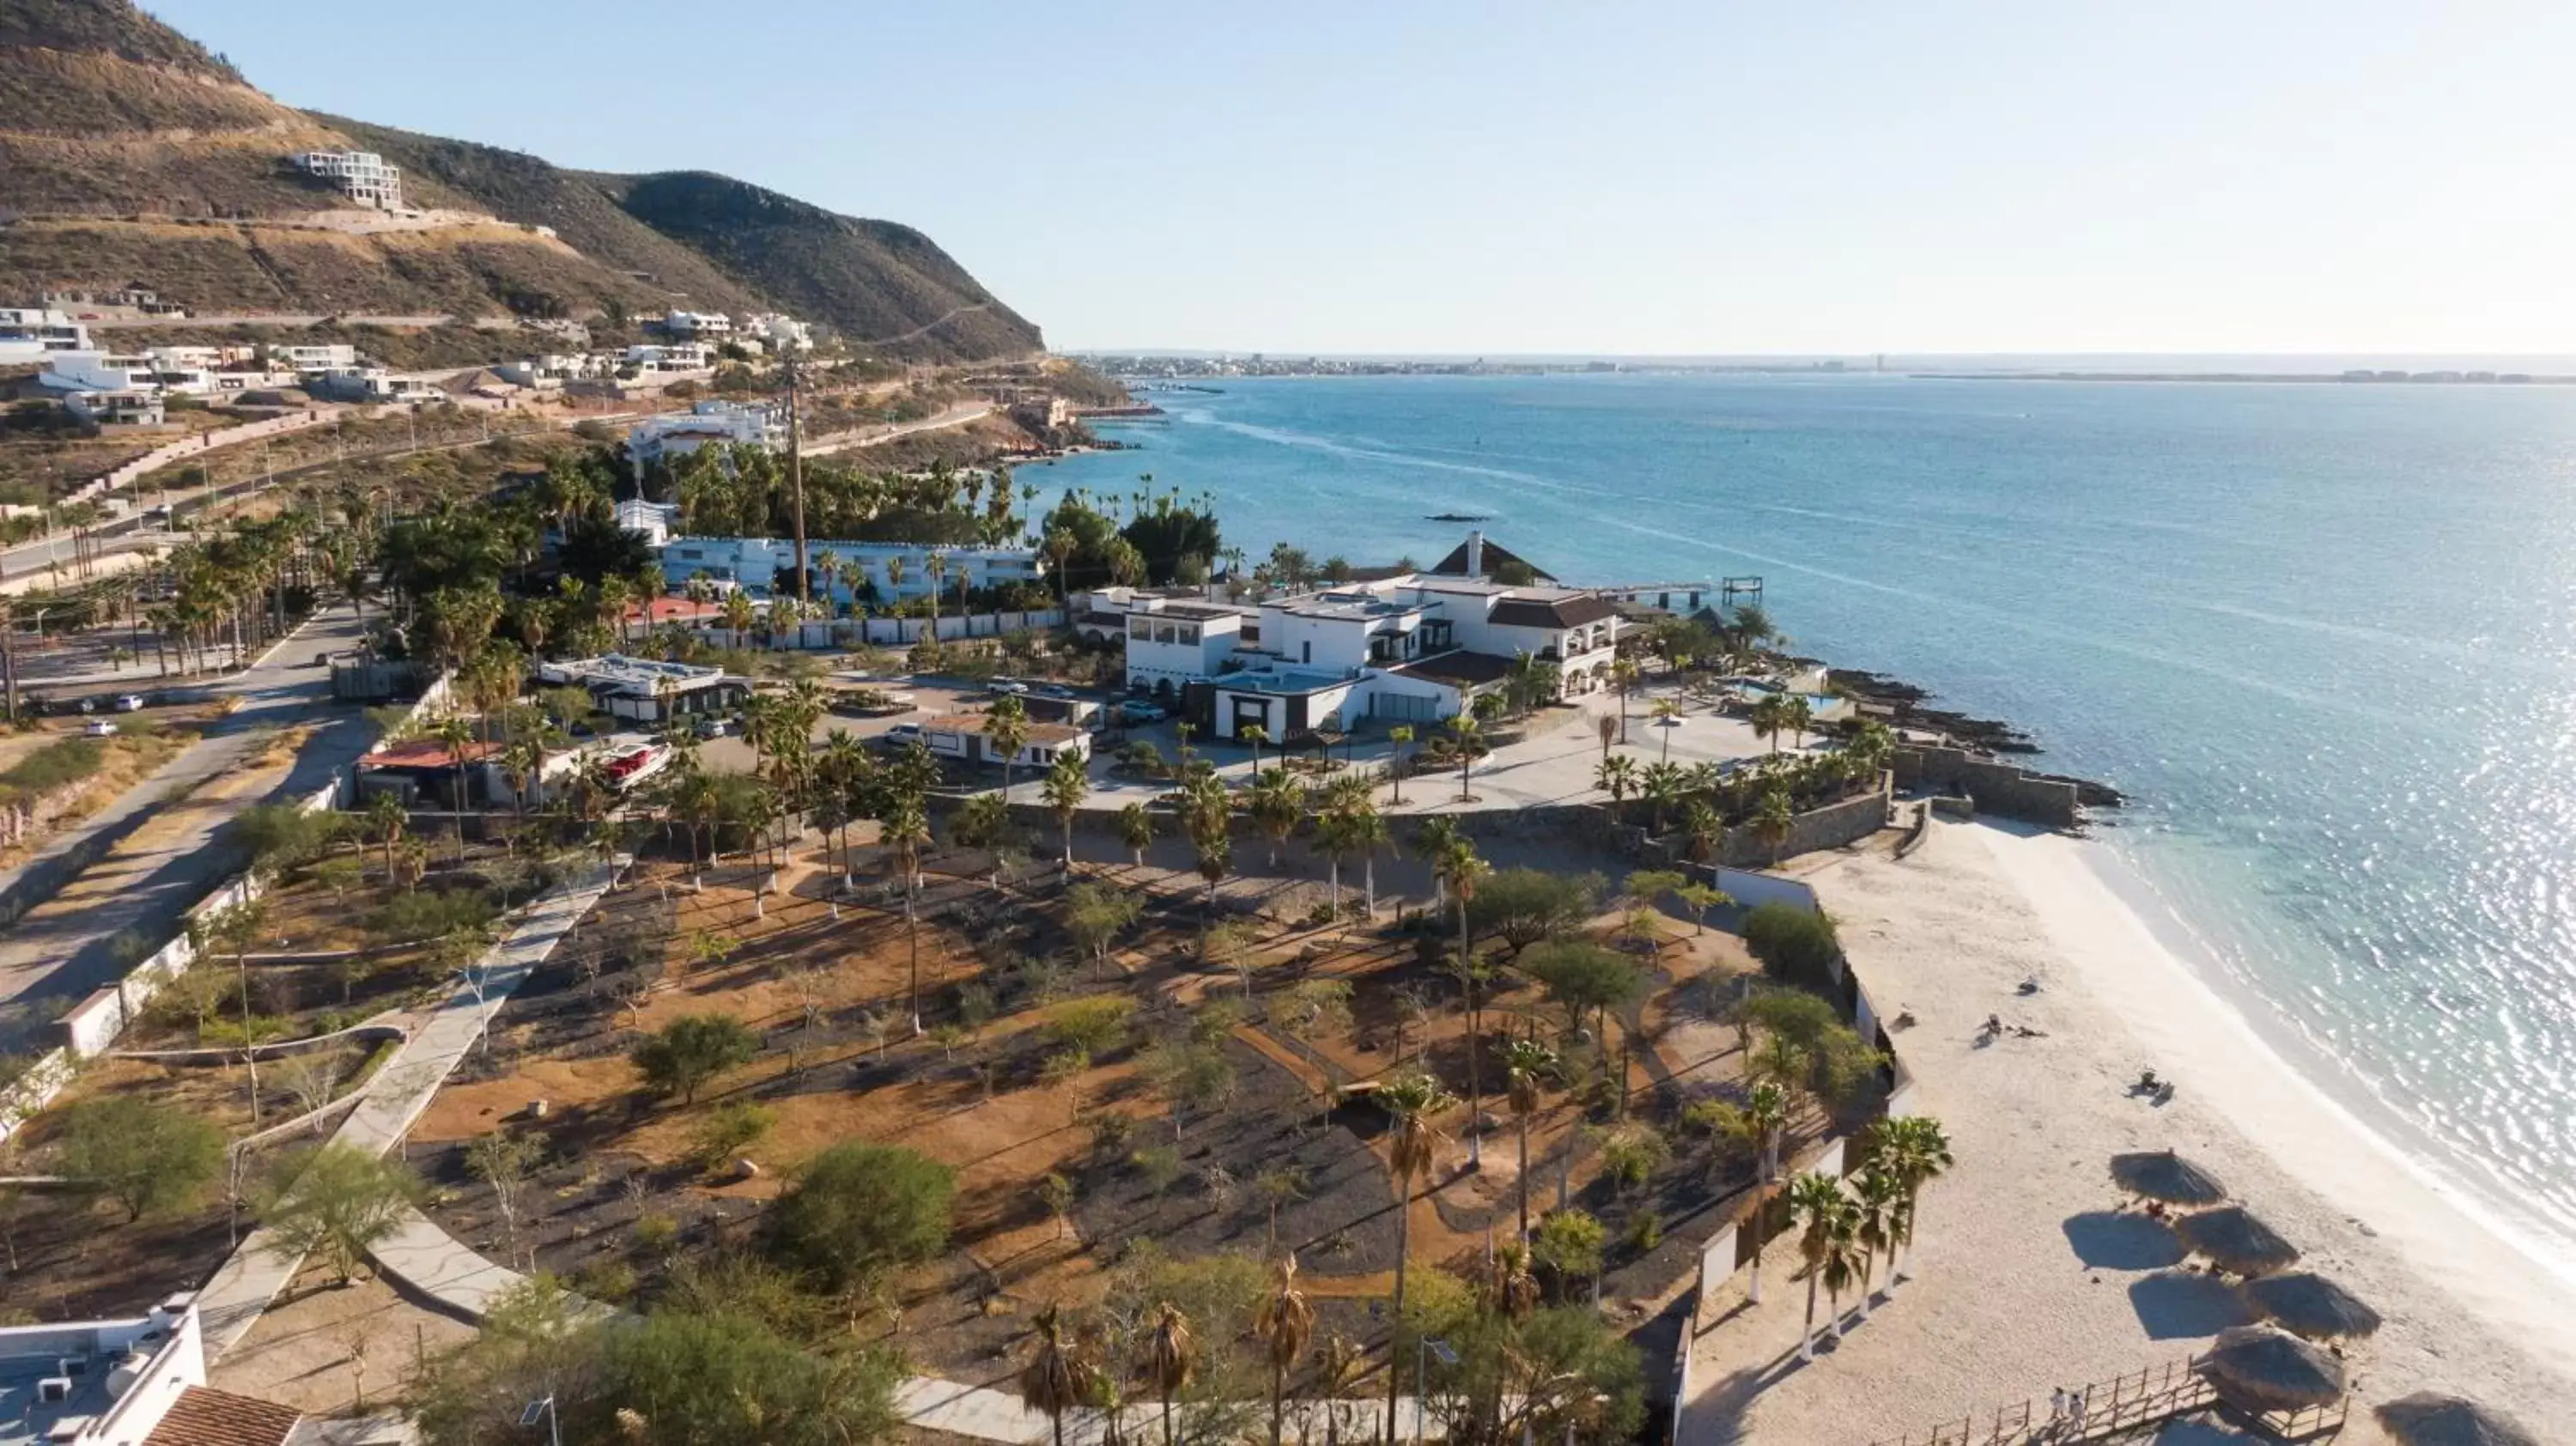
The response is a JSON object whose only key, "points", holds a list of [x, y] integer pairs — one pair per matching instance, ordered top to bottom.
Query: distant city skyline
{"points": [[2373, 180]]}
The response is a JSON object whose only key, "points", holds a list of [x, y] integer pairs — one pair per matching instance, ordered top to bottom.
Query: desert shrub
{"points": [[1792, 943], [1095, 1025], [684, 1055], [727, 1131], [146, 1156], [859, 1211], [656, 1234]]}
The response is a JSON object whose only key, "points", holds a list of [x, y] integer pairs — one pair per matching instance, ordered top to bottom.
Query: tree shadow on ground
{"points": [[2109, 1240]]}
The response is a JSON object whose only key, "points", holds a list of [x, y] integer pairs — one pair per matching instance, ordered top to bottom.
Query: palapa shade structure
{"points": [[2164, 1175], [2236, 1242], [2307, 1304], [2262, 1369], [2429, 1418]]}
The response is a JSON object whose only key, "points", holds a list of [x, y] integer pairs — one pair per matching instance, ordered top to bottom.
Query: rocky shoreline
{"points": [[1906, 703]]}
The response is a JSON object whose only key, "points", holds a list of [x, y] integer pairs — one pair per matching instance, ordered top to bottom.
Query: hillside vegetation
{"points": [[130, 153]]}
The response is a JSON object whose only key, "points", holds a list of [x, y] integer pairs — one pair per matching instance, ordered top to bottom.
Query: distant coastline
{"points": [[2354, 378]]}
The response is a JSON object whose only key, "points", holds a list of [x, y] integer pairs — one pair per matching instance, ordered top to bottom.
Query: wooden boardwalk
{"points": [[2123, 1408]]}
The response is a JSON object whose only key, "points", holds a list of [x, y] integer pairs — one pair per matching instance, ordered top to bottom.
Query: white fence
{"points": [[185, 448], [97, 1021]]}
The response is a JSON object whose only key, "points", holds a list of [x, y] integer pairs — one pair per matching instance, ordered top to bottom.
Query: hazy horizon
{"points": [[2011, 178]]}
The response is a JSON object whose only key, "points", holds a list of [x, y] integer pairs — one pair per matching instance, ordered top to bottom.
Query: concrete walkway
{"points": [[245, 1284]]}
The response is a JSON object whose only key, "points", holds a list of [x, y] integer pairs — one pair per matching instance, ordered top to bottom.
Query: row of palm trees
{"points": [[1848, 1223]]}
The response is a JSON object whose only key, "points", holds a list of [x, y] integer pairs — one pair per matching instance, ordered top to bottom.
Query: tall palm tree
{"points": [[1623, 676], [1668, 716], [1006, 732], [457, 735], [1254, 735], [1397, 737], [1467, 737], [1616, 776], [1068, 782], [1277, 801], [386, 819], [1774, 820], [1136, 830], [1365, 831], [907, 832], [1460, 868], [1527, 1066], [1409, 1101], [1766, 1114], [1916, 1151], [1875, 1198], [1819, 1202], [1285, 1321], [1171, 1358], [1052, 1381]]}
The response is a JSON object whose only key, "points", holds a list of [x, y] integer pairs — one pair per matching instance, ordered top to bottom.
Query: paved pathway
{"points": [[139, 862], [244, 1285]]}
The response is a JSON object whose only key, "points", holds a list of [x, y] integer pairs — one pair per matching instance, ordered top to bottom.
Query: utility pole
{"points": [[796, 485]]}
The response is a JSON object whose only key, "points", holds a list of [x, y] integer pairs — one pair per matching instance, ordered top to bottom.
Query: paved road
{"points": [[957, 415], [161, 860], [250, 1278]]}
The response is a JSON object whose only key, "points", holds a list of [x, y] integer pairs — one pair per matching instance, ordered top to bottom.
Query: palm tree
{"points": [[937, 566], [738, 614], [1623, 676], [1668, 716], [1797, 716], [1006, 732], [457, 735], [1254, 735], [1396, 737], [1467, 737], [1868, 748], [1617, 777], [1068, 781], [1663, 785], [1277, 802], [386, 819], [1774, 820], [1136, 830], [907, 832], [1365, 832], [1460, 868], [1527, 1064], [1409, 1101], [1766, 1114], [1916, 1151], [1876, 1195], [1818, 1200], [1844, 1266], [1285, 1322], [1170, 1360], [1052, 1381]]}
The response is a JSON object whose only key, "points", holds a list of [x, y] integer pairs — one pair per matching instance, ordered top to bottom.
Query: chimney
{"points": [[1476, 552]]}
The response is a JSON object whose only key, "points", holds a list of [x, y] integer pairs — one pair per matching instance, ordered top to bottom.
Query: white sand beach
{"points": [[2025, 1278]]}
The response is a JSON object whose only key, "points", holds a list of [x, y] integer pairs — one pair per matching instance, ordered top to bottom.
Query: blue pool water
{"points": [[2325, 636]]}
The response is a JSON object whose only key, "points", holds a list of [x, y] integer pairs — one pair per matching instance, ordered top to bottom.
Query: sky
{"points": [[1581, 178]]}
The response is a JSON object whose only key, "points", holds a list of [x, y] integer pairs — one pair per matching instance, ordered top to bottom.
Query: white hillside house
{"points": [[362, 175]]}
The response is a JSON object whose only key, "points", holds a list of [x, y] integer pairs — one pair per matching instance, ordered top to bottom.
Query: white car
{"points": [[129, 703], [99, 728], [902, 733]]}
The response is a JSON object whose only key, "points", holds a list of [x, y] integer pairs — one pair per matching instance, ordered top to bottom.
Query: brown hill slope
{"points": [[129, 153]]}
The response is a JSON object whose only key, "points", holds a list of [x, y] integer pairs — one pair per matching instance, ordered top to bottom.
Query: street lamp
{"points": [[1421, 1402]]}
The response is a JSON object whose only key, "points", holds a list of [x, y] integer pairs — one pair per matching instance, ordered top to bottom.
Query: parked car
{"points": [[1006, 685], [1055, 690], [129, 703], [1143, 712], [715, 727], [99, 728], [901, 734]]}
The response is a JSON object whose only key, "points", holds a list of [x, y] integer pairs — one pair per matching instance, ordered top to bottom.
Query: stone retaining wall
{"points": [[1998, 788]]}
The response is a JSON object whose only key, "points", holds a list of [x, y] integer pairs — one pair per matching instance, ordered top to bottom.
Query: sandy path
{"points": [[2023, 1279]]}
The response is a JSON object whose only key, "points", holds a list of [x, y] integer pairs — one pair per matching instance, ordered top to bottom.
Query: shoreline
{"points": [[2174, 999], [2032, 1271]]}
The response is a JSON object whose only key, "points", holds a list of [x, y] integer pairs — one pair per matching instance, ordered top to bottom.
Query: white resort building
{"points": [[30, 333], [664, 438], [896, 570], [1416, 648]]}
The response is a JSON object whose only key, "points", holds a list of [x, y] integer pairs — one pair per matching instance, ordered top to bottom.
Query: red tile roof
{"points": [[673, 610], [425, 753], [204, 1416]]}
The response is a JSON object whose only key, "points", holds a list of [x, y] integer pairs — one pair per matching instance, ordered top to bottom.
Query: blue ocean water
{"points": [[2323, 635]]}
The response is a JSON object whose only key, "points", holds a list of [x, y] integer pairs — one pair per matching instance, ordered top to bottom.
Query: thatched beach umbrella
{"points": [[2164, 1175], [2237, 1242], [2310, 1305], [2262, 1369], [2429, 1418]]}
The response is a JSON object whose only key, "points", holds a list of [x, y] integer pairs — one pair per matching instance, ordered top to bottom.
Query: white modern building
{"points": [[362, 175], [697, 323], [779, 332], [29, 333], [678, 356], [314, 358], [163, 369], [547, 371], [118, 409], [662, 439], [651, 521], [894, 570], [1416, 649], [648, 690], [961, 736], [94, 1383]]}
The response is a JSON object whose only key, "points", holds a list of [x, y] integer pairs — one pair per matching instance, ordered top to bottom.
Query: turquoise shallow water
{"points": [[2325, 636]]}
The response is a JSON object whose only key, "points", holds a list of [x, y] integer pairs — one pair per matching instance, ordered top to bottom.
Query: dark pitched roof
{"points": [[1455, 564], [1564, 612], [1461, 668], [204, 1416]]}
